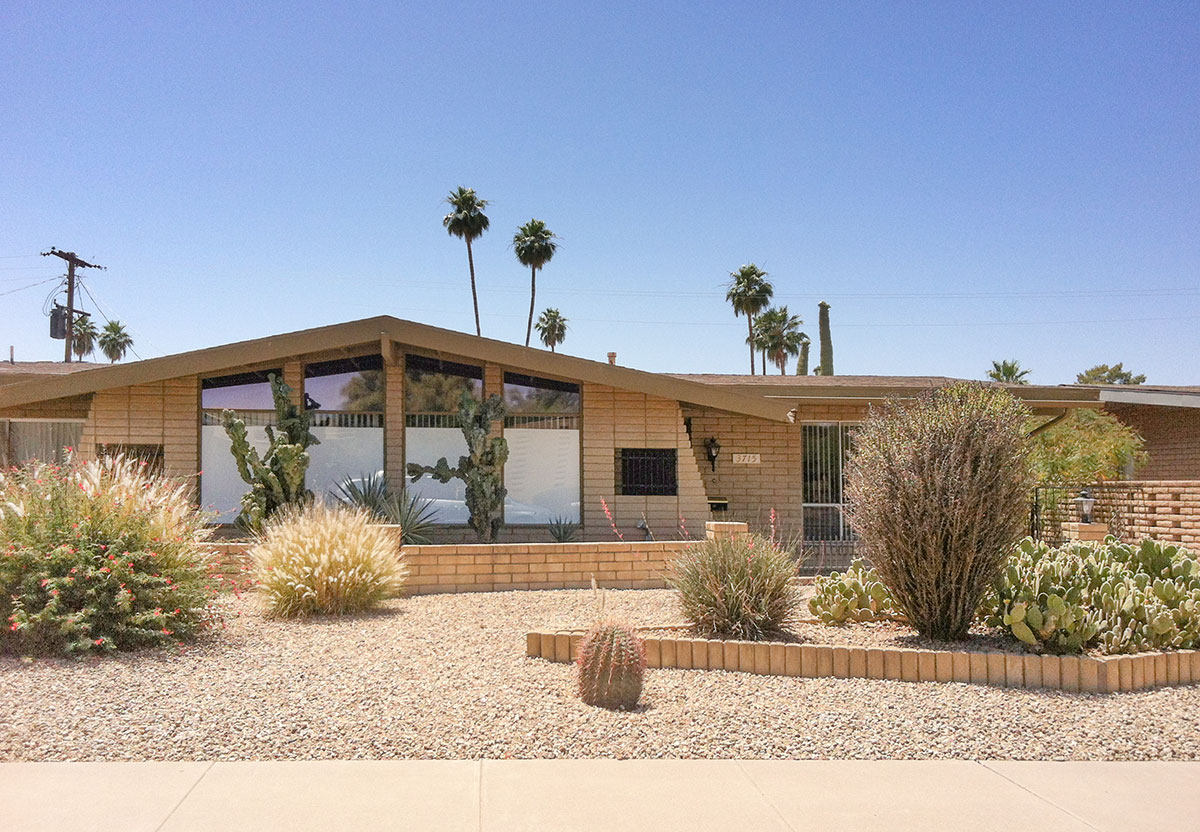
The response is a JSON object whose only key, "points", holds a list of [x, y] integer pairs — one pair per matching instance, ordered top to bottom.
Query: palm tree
{"points": [[468, 222], [534, 245], [748, 292], [552, 328], [777, 334], [83, 337], [114, 341], [1008, 372]]}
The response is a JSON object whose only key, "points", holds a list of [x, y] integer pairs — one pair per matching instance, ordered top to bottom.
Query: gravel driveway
{"points": [[445, 676]]}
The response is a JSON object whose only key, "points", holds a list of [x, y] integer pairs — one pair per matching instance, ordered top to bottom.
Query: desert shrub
{"points": [[938, 491], [413, 513], [99, 556], [317, 559], [739, 588], [854, 595], [1117, 597], [612, 662]]}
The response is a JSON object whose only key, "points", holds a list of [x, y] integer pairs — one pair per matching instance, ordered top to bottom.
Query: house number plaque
{"points": [[747, 459]]}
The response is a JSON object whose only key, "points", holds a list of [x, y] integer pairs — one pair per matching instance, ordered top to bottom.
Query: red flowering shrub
{"points": [[98, 556]]}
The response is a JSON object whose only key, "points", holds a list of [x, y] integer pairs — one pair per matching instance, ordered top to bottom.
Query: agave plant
{"points": [[412, 513], [563, 530]]}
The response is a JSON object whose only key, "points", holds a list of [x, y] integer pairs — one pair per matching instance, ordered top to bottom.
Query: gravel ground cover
{"points": [[445, 676]]}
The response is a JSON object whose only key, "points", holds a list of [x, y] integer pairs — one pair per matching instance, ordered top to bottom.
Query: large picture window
{"points": [[432, 391], [249, 394], [347, 397], [542, 430], [825, 448]]}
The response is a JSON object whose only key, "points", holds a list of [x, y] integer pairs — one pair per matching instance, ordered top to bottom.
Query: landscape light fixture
{"points": [[713, 448], [1086, 502]]}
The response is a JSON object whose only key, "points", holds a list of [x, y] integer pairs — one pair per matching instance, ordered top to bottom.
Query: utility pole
{"points": [[72, 261]]}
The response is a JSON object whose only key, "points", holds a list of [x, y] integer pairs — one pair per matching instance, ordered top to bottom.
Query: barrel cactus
{"points": [[612, 662]]}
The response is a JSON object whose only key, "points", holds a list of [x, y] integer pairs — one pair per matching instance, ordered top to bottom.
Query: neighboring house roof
{"points": [[386, 330], [12, 372], [841, 389], [1157, 395]]}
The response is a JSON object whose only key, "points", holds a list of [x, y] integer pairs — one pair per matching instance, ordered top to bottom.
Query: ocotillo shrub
{"points": [[938, 490], [99, 556], [318, 559], [738, 588], [612, 662]]}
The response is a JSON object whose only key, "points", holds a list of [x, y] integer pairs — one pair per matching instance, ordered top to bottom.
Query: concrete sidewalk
{"points": [[559, 795]]}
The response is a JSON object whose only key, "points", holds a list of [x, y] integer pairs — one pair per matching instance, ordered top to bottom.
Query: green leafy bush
{"points": [[938, 490], [99, 556], [316, 559], [738, 588], [854, 595], [1117, 597], [612, 662]]}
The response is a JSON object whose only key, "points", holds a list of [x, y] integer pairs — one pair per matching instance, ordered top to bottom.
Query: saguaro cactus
{"points": [[826, 339], [481, 470], [276, 478]]}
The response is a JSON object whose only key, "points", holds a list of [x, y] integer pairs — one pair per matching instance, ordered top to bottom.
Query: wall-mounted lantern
{"points": [[713, 448], [1086, 503]]}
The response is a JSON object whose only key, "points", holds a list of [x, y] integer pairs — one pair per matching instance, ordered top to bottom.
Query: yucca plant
{"points": [[373, 492], [318, 558], [739, 588]]}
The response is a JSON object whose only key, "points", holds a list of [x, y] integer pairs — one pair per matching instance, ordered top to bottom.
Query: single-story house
{"points": [[667, 451]]}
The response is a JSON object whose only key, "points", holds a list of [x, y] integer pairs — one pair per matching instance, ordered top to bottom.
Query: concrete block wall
{"points": [[162, 413], [614, 419], [1172, 437], [1164, 510]]}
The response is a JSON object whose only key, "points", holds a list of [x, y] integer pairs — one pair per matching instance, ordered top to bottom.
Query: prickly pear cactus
{"points": [[481, 470], [276, 478], [854, 595], [1120, 598], [612, 662]]}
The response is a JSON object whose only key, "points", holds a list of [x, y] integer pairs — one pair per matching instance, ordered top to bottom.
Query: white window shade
{"points": [[425, 446], [344, 453], [542, 476], [221, 487]]}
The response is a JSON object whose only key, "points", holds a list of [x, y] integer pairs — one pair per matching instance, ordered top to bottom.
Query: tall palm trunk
{"points": [[532, 295], [474, 296], [750, 339], [764, 358]]}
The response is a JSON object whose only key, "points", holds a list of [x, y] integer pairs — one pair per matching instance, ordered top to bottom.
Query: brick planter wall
{"points": [[1164, 509], [503, 566]]}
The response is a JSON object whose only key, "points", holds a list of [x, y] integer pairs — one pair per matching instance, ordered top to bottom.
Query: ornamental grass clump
{"points": [[938, 491], [97, 556], [320, 559], [737, 588]]}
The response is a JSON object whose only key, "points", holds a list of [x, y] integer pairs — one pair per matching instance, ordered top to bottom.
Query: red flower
{"points": [[45, 581], [98, 641]]}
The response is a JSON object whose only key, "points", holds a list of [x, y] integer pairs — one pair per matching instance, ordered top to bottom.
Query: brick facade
{"points": [[164, 413], [1172, 437], [1164, 510]]}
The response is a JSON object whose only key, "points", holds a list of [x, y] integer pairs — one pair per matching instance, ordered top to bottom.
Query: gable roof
{"points": [[382, 330], [13, 372]]}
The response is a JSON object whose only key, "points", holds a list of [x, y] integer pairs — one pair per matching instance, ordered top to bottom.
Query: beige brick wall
{"points": [[163, 413], [615, 419], [1172, 437], [753, 490], [1164, 510]]}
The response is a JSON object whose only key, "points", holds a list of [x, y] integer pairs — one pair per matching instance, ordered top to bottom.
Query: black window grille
{"points": [[647, 472]]}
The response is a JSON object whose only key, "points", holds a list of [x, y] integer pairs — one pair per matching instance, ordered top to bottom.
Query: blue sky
{"points": [[962, 182]]}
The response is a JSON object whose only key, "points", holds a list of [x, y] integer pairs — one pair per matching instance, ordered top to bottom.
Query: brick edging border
{"points": [[1075, 674]]}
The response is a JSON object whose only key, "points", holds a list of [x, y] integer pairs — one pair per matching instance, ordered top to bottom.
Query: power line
{"points": [[73, 261], [30, 286]]}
